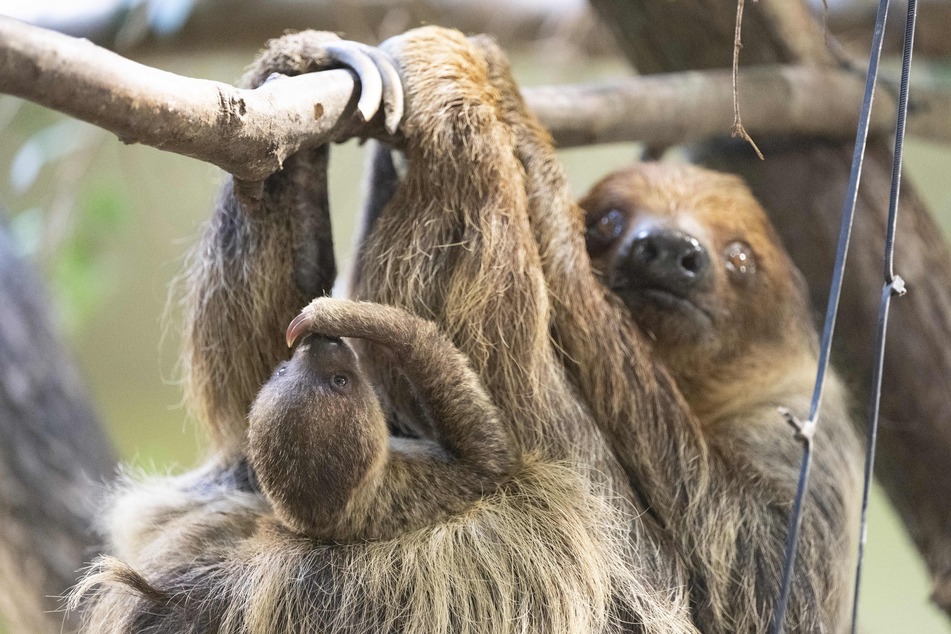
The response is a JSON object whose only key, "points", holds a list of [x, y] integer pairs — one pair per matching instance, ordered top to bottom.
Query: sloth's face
{"points": [[692, 255], [313, 431]]}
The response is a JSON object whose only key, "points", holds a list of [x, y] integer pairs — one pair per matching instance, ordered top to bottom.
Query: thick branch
{"points": [[246, 132]]}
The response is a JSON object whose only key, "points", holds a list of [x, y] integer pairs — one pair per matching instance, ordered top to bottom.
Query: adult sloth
{"points": [[543, 549]]}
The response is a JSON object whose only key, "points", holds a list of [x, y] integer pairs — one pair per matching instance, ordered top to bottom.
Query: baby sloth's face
{"points": [[692, 255], [314, 429]]}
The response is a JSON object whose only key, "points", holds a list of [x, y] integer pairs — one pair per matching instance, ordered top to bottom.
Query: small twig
{"points": [[738, 130]]}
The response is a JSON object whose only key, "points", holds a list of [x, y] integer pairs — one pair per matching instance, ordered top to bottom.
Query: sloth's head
{"points": [[694, 257], [315, 429]]}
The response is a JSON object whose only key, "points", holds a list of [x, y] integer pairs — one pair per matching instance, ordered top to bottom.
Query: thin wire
{"points": [[899, 139], [894, 285], [806, 429]]}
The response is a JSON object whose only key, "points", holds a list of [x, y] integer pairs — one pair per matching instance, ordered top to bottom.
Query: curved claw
{"points": [[371, 83], [392, 87], [298, 327]]}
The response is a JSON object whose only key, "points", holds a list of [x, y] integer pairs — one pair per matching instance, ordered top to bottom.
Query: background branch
{"points": [[513, 23], [674, 108], [53, 450]]}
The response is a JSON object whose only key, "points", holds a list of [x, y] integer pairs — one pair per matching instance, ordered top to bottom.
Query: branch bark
{"points": [[673, 108], [249, 133]]}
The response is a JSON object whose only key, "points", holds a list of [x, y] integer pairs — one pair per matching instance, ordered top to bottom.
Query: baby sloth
{"points": [[318, 439]]}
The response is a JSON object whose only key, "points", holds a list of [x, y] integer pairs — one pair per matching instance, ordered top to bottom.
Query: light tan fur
{"points": [[755, 351], [529, 557]]}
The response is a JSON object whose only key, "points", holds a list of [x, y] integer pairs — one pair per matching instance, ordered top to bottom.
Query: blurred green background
{"points": [[110, 224]]}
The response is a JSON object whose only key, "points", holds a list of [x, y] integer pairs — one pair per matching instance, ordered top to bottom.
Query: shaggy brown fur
{"points": [[267, 253], [318, 440], [721, 494], [547, 551]]}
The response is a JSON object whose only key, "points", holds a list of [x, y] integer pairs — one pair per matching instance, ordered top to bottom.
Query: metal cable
{"points": [[894, 285], [805, 430]]}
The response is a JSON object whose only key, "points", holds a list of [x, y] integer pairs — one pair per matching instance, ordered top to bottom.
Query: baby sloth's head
{"points": [[315, 429]]}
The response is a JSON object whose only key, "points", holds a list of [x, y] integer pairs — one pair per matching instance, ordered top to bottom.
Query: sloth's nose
{"points": [[667, 258]]}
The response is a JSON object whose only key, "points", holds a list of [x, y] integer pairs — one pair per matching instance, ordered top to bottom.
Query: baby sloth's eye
{"points": [[602, 233], [739, 259], [340, 380]]}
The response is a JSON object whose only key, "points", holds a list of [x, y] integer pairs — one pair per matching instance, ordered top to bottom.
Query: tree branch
{"points": [[251, 22], [688, 106], [246, 132], [250, 132]]}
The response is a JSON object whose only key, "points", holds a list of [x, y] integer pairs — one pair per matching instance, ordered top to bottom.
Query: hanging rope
{"points": [[805, 430]]}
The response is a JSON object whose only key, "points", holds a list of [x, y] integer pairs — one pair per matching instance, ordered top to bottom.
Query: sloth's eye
{"points": [[602, 233], [739, 259], [341, 380]]}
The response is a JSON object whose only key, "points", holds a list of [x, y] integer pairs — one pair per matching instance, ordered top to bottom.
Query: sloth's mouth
{"points": [[665, 302]]}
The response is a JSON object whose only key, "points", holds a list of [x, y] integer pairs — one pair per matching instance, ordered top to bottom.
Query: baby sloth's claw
{"points": [[300, 325]]}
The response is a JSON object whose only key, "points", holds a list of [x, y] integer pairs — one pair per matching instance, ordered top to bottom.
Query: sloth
{"points": [[698, 266], [702, 271], [318, 440], [720, 494], [713, 500], [269, 536]]}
